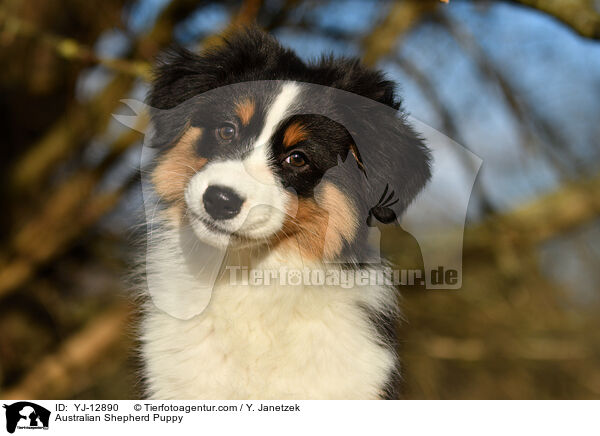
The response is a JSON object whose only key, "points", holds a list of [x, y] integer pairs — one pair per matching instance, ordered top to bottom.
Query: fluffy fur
{"points": [[294, 189]]}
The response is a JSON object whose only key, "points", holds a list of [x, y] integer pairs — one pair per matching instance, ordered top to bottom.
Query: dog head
{"points": [[258, 147]]}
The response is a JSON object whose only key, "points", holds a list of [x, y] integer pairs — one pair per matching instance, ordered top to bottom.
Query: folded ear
{"points": [[350, 75], [178, 76], [388, 150], [397, 164]]}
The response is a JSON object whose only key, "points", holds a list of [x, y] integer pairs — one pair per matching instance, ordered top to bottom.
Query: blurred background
{"points": [[516, 82]]}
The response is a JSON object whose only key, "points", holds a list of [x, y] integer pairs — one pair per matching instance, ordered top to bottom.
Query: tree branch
{"points": [[580, 15], [402, 17], [71, 49]]}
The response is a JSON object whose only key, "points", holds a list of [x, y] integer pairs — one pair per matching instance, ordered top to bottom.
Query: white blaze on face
{"points": [[277, 112], [265, 200]]}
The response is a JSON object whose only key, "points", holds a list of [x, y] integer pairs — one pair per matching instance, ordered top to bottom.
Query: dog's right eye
{"points": [[226, 132]]}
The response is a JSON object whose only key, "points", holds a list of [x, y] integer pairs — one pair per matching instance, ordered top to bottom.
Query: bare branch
{"points": [[580, 15], [402, 17], [71, 49]]}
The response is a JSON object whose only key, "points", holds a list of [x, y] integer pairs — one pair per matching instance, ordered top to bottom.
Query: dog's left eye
{"points": [[226, 132], [296, 159]]}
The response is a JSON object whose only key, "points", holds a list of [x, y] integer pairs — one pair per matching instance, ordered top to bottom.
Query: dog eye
{"points": [[226, 132], [296, 159]]}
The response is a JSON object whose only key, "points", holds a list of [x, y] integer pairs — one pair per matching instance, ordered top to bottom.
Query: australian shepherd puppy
{"points": [[266, 163]]}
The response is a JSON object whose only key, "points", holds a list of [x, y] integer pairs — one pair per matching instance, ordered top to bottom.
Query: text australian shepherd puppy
{"points": [[267, 163]]}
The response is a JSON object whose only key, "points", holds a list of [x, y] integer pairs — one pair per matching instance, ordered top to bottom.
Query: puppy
{"points": [[267, 164]]}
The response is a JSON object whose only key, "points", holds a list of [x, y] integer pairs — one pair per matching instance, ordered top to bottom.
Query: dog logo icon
{"points": [[26, 415]]}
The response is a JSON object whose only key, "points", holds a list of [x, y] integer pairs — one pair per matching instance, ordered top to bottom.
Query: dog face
{"points": [[257, 148]]}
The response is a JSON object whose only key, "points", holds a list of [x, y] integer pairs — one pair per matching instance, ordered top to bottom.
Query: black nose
{"points": [[221, 203]]}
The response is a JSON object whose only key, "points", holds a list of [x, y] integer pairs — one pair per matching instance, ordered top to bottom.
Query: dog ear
{"points": [[350, 75], [177, 77], [393, 157], [396, 162]]}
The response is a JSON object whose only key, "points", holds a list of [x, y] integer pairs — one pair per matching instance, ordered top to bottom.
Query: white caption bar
{"points": [[89, 418]]}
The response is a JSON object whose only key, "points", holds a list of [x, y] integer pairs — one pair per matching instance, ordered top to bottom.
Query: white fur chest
{"points": [[269, 343]]}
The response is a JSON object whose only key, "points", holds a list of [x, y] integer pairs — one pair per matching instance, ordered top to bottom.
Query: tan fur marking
{"points": [[245, 110], [294, 134], [175, 168], [174, 214], [343, 221], [319, 227]]}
